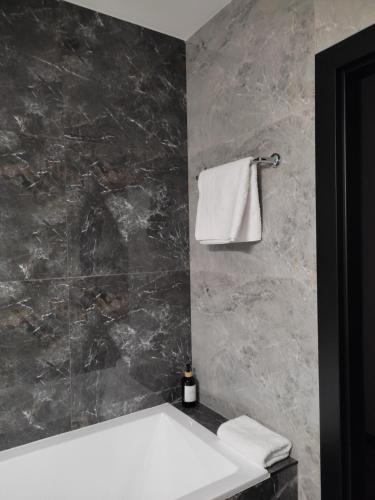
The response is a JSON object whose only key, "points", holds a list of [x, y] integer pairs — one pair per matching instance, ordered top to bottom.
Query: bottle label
{"points": [[190, 393]]}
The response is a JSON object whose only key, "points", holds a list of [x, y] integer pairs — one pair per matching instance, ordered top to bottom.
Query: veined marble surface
{"points": [[336, 20], [251, 92], [92, 144], [93, 186], [94, 250], [254, 332], [129, 337]]}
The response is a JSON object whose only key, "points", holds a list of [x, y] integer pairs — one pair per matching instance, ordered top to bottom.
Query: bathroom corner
{"points": [[176, 321]]}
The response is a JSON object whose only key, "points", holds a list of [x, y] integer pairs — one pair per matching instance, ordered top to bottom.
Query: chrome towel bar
{"points": [[265, 161]]}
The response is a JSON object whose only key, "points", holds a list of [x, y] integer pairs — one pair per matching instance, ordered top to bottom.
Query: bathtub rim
{"points": [[242, 479]]}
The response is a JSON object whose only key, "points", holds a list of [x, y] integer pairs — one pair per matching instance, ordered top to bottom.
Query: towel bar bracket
{"points": [[272, 161]]}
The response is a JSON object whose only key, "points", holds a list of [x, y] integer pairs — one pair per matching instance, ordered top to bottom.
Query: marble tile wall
{"points": [[338, 19], [250, 87], [94, 249], [254, 332], [282, 485]]}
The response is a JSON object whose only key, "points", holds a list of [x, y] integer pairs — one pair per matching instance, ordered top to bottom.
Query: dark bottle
{"points": [[189, 388]]}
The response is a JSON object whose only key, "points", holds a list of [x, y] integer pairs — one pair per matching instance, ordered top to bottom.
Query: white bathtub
{"points": [[154, 454]]}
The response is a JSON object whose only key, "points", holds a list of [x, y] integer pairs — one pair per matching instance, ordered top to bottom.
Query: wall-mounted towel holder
{"points": [[264, 161], [267, 161]]}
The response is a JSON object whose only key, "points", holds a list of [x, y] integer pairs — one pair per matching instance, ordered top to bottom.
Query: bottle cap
{"points": [[188, 371]]}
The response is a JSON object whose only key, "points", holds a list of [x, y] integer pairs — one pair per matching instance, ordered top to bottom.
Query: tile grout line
{"points": [[67, 273], [88, 276], [70, 362]]}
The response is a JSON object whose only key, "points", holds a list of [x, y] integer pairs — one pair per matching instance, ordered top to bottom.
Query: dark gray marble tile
{"points": [[30, 37], [30, 68], [135, 94], [32, 105], [31, 109], [125, 131], [31, 133], [31, 165], [93, 181], [155, 188], [116, 233], [34, 239], [160, 315], [34, 332], [130, 336], [34, 361], [110, 393], [29, 412], [204, 415], [282, 485]]}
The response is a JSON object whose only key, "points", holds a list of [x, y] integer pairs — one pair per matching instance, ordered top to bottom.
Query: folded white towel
{"points": [[228, 206], [254, 441]]}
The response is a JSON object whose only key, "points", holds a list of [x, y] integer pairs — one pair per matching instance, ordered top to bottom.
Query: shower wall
{"points": [[94, 252], [254, 320], [254, 324]]}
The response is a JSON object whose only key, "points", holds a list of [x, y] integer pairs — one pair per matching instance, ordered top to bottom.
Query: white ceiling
{"points": [[179, 18]]}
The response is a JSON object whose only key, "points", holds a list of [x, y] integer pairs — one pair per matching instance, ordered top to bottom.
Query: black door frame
{"points": [[334, 168]]}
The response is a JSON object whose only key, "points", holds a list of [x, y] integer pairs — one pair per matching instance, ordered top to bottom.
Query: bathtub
{"points": [[154, 454]]}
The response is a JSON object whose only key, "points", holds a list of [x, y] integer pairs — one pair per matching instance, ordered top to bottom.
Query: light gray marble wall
{"points": [[338, 19], [251, 91], [254, 319]]}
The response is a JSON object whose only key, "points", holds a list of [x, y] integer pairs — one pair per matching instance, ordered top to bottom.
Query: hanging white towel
{"points": [[228, 206], [254, 441]]}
